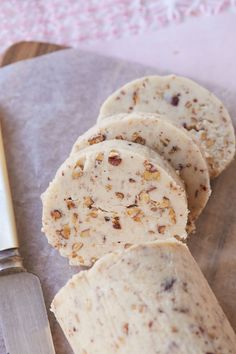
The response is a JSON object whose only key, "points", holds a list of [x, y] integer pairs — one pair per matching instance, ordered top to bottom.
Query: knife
{"points": [[23, 315]]}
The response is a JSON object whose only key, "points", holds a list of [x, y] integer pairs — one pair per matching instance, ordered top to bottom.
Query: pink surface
{"points": [[78, 21], [202, 48]]}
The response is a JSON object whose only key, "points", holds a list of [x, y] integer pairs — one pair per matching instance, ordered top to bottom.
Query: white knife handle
{"points": [[8, 234]]}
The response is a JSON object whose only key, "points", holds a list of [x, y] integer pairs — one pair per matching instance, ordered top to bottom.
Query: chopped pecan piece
{"points": [[136, 97], [175, 100], [188, 104], [191, 127], [203, 136], [136, 138], [96, 139], [164, 142], [210, 142], [174, 149], [99, 157], [114, 158], [210, 161], [80, 164], [149, 166], [78, 169], [151, 173], [77, 174], [151, 176], [131, 180], [108, 187], [173, 187], [119, 195], [143, 197], [88, 202], [70, 203], [165, 203], [154, 206], [93, 213], [135, 213], [56, 214], [172, 215], [75, 218], [116, 223], [161, 229], [65, 231], [85, 233], [127, 245], [77, 246], [168, 284], [150, 324], [126, 328]]}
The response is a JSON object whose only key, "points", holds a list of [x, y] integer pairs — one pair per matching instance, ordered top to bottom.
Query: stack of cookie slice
{"points": [[140, 175]]}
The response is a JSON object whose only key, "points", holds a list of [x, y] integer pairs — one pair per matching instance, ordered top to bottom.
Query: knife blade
{"points": [[23, 314], [24, 319]]}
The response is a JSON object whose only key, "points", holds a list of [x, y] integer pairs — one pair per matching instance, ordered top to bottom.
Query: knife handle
{"points": [[8, 233]]}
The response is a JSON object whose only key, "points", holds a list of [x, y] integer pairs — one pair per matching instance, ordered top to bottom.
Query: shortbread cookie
{"points": [[187, 105], [173, 143], [109, 196], [151, 299]]}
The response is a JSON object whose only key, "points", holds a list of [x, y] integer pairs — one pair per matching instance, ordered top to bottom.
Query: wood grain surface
{"points": [[27, 50], [214, 244]]}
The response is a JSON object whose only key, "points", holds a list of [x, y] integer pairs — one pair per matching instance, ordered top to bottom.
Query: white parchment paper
{"points": [[45, 103]]}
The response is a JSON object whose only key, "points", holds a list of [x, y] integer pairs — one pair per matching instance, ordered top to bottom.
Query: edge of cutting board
{"points": [[27, 50]]}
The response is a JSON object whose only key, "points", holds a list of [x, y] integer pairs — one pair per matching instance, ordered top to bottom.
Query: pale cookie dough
{"points": [[187, 105], [173, 143], [109, 196], [150, 299]]}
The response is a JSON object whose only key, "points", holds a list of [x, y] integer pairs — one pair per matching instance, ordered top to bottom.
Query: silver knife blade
{"points": [[24, 319]]}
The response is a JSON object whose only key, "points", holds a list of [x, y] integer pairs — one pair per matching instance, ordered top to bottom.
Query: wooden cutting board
{"points": [[27, 50], [214, 244]]}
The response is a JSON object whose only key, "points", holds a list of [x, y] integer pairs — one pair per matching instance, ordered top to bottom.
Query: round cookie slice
{"points": [[187, 105], [171, 142], [110, 196]]}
